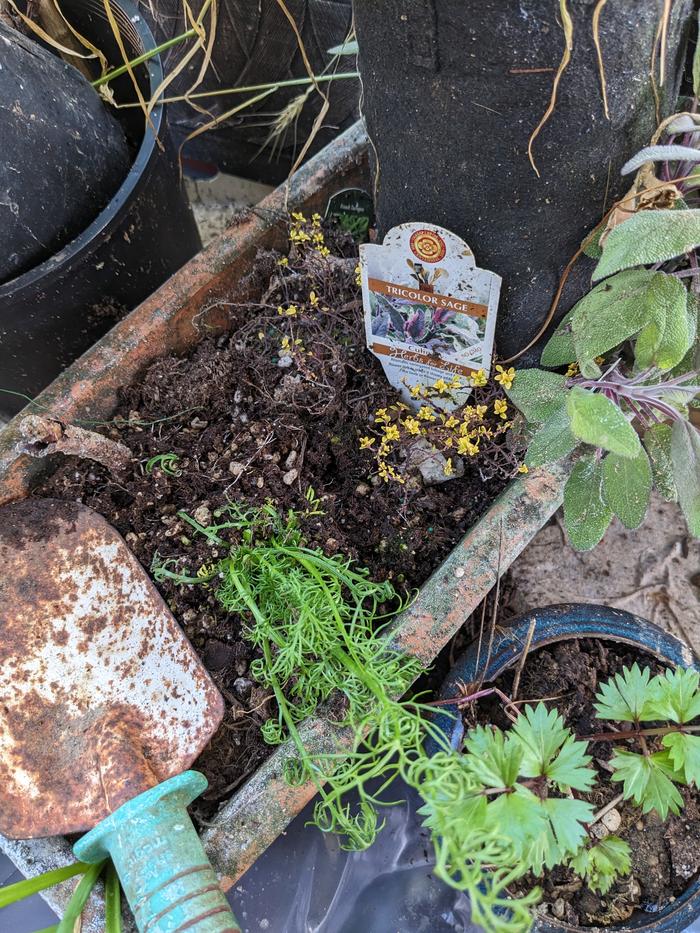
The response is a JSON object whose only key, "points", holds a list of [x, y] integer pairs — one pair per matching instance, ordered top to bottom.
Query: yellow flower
{"points": [[299, 217], [316, 220], [299, 236], [323, 251], [283, 261], [358, 275], [313, 298], [290, 311], [261, 335], [286, 344], [573, 370], [505, 376], [478, 378], [456, 383], [441, 386], [416, 390], [500, 406], [481, 410], [426, 414], [382, 416], [451, 422], [412, 426], [391, 433], [366, 442], [447, 442], [467, 446], [448, 469], [523, 469]]}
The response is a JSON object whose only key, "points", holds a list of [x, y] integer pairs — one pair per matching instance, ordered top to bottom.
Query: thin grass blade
{"points": [[17, 892], [79, 899]]}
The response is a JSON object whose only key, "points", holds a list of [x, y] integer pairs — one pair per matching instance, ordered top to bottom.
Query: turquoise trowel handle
{"points": [[161, 863]]}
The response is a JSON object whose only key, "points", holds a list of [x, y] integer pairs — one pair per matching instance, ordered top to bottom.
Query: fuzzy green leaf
{"points": [[649, 237], [591, 244], [619, 308], [666, 339], [559, 349], [537, 393], [597, 420], [553, 441], [657, 441], [685, 454], [627, 484], [586, 513], [623, 697], [674, 697], [541, 733], [684, 753], [493, 758], [646, 780], [603, 862]]}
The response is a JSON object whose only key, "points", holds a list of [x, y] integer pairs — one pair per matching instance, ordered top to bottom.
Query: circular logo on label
{"points": [[427, 245]]}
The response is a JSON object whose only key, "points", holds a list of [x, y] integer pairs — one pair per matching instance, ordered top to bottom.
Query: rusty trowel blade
{"points": [[101, 694]]}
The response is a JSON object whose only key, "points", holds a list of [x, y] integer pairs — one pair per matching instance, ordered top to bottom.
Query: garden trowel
{"points": [[103, 704]]}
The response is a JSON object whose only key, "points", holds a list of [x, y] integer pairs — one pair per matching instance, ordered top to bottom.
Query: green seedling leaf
{"points": [[649, 237], [619, 308], [666, 339], [560, 349], [537, 393], [597, 420], [553, 441], [657, 441], [685, 454], [627, 485], [586, 513], [623, 697], [674, 697], [541, 733], [684, 753], [493, 758], [571, 767], [647, 780], [520, 813], [566, 816], [603, 862], [29, 886], [75, 905], [113, 908]]}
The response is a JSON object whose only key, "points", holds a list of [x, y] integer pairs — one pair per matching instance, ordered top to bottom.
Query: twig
{"points": [[523, 659], [606, 809]]}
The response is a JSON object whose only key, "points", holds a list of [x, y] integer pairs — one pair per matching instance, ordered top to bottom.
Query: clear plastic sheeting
{"points": [[305, 883]]}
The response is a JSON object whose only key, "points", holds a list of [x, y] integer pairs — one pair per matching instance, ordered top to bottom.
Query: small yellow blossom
{"points": [[299, 217], [316, 220], [299, 236], [324, 251], [283, 261], [358, 275], [313, 299], [289, 311], [261, 335], [573, 370], [505, 376], [478, 378], [456, 383], [441, 386], [416, 390], [500, 406], [481, 410], [427, 414], [382, 416], [451, 422], [412, 426], [391, 432], [366, 442], [467, 446], [448, 469], [523, 469]]}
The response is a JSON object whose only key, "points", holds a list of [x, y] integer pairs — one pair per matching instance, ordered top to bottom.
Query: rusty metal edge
{"points": [[245, 826]]}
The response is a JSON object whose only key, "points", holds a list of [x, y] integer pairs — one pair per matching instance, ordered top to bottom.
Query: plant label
{"points": [[353, 209], [430, 312]]}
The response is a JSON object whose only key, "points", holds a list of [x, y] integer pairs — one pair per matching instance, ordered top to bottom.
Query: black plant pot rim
{"points": [[100, 227], [562, 623]]}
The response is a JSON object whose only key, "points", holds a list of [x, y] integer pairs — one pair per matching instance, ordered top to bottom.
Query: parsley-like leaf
{"points": [[674, 696], [622, 698], [541, 732], [684, 754], [494, 759], [571, 767], [647, 780], [522, 816], [603, 863]]}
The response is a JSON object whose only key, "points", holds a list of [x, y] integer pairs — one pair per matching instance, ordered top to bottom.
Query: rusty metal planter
{"points": [[173, 320]]}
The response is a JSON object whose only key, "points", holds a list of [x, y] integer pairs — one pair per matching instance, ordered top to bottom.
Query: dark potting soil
{"points": [[248, 428], [665, 855]]}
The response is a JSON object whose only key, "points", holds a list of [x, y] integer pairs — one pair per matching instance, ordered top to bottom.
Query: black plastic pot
{"points": [[57, 310], [559, 623]]}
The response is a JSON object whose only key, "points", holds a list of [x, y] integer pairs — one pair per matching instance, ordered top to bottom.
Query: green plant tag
{"points": [[353, 210], [649, 237], [598, 421], [685, 454], [627, 486], [586, 513]]}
